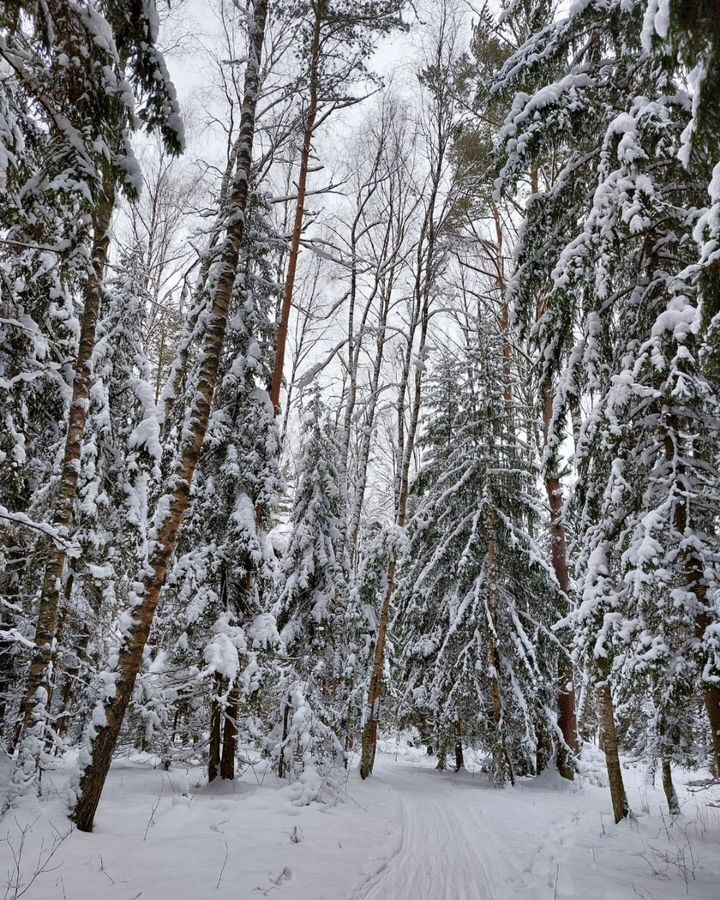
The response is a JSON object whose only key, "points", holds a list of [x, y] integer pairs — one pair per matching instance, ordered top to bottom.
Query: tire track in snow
{"points": [[437, 857]]}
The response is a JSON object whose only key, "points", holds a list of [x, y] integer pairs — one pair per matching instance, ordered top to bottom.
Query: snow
{"points": [[409, 831]]}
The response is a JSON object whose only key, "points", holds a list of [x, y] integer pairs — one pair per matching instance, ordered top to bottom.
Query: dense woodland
{"points": [[386, 398]]}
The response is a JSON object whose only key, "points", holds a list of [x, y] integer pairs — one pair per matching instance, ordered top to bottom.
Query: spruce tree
{"points": [[607, 246], [312, 591], [476, 599]]}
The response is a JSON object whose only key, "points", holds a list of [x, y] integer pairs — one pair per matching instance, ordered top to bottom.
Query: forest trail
{"points": [[409, 832], [444, 836], [456, 836]]}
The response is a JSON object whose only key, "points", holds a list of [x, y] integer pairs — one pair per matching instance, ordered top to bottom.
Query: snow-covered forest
{"points": [[359, 449]]}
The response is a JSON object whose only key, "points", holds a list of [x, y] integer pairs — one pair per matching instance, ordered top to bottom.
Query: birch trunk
{"points": [[421, 317], [173, 505], [39, 681], [370, 730]]}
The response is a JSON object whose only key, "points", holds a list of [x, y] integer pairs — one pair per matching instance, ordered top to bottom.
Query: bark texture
{"points": [[310, 117], [173, 506], [39, 682], [606, 712], [567, 717], [215, 730], [370, 730], [230, 731], [669, 788]]}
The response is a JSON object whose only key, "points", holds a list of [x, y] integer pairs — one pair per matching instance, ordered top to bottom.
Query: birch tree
{"points": [[107, 720]]}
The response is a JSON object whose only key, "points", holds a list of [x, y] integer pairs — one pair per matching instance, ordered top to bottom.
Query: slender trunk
{"points": [[299, 211], [423, 282], [504, 319], [178, 368], [158, 376], [366, 438], [173, 505], [697, 585], [494, 654], [72, 673], [39, 681], [711, 698], [606, 713], [567, 717], [215, 720], [286, 722], [370, 729], [229, 749], [543, 752], [459, 756], [442, 757], [669, 788]]}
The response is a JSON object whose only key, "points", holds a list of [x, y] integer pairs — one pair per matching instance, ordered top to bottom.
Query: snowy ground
{"points": [[408, 833]]}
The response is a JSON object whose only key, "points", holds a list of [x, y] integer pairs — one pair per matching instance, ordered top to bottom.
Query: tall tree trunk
{"points": [[299, 209], [423, 284], [188, 335], [173, 505], [696, 584], [494, 653], [72, 673], [39, 681], [711, 698], [606, 714], [567, 717], [285, 726], [215, 727], [370, 729], [230, 731], [459, 756], [441, 763], [669, 787]]}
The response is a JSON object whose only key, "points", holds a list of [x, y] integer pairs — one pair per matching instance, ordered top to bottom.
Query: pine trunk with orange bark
{"points": [[308, 131], [567, 718]]}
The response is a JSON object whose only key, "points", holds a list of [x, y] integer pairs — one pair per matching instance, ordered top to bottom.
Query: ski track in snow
{"points": [[408, 833], [440, 853]]}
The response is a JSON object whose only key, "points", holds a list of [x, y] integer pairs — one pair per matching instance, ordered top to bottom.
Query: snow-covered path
{"points": [[408, 833], [457, 837], [439, 855]]}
